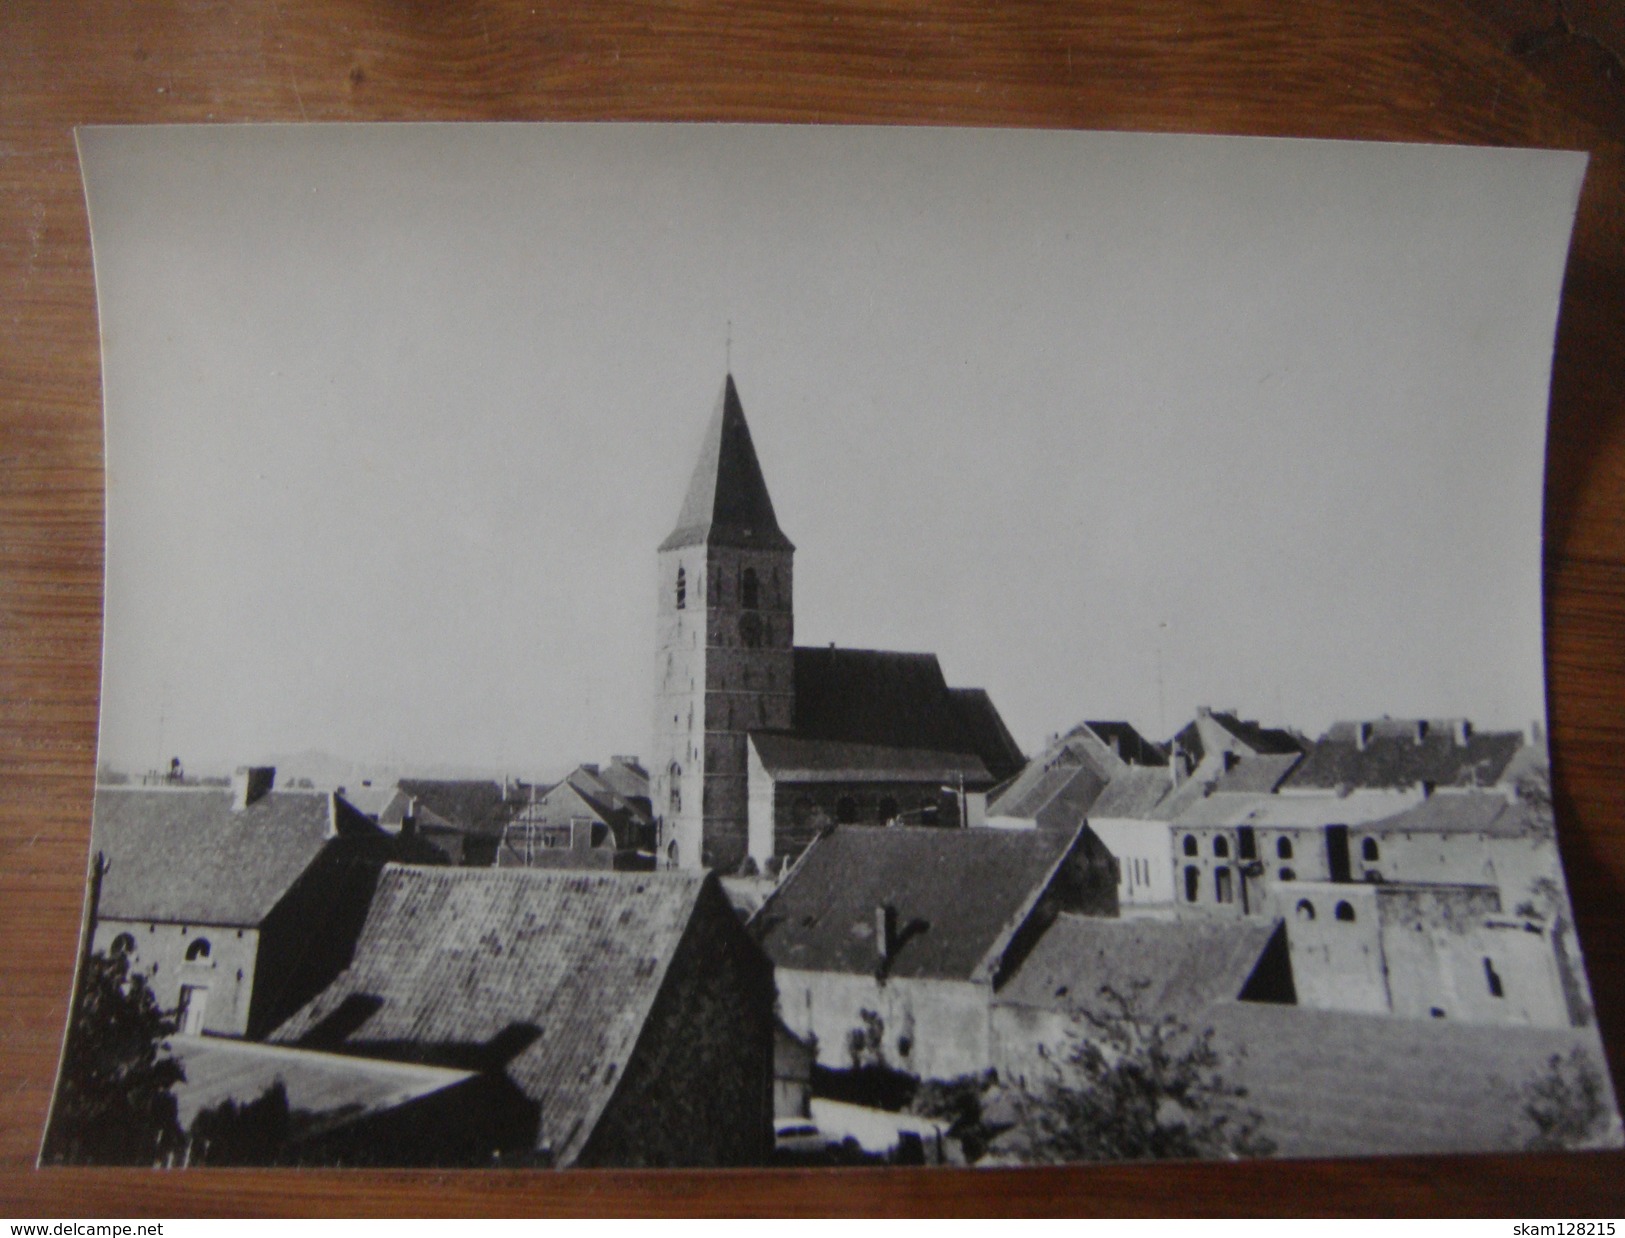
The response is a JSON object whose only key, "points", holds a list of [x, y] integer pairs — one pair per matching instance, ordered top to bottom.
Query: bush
{"points": [[1134, 1087]]}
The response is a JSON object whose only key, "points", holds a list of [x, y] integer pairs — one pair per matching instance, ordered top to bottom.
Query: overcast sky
{"points": [[397, 416]]}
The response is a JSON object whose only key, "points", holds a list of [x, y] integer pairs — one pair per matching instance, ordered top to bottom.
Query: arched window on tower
{"points": [[682, 589], [750, 593], [676, 789], [1283, 848], [1368, 851]]}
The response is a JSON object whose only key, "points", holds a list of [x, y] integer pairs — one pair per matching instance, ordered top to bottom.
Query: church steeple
{"points": [[728, 503], [724, 660]]}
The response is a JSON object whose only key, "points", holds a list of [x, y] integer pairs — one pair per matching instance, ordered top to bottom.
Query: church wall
{"points": [[801, 810]]}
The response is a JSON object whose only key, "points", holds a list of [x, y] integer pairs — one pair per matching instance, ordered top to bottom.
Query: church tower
{"points": [[725, 647]]}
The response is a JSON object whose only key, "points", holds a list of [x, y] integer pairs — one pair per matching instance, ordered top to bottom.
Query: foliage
{"points": [[866, 1045], [1137, 1087], [114, 1102], [959, 1103], [1567, 1104], [251, 1134]]}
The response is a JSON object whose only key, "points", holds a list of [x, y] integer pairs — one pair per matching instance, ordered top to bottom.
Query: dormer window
{"points": [[682, 589]]}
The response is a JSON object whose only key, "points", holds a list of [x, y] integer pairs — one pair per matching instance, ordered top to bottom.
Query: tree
{"points": [[1137, 1087], [114, 1101], [1567, 1105], [255, 1133]]}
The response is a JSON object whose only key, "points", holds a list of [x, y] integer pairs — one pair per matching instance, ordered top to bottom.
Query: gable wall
{"points": [[160, 956], [698, 1090]]}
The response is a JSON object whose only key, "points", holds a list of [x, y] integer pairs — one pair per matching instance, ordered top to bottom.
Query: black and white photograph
{"points": [[636, 645]]}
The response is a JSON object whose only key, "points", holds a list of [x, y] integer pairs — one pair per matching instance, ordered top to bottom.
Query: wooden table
{"points": [[1498, 72]]}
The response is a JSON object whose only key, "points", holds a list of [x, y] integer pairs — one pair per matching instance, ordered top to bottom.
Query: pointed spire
{"points": [[727, 501]]}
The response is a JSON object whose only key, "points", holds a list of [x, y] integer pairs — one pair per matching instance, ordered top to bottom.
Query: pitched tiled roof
{"points": [[727, 502], [868, 696], [984, 727], [1260, 739], [1128, 743], [795, 759], [1399, 760], [1261, 773], [1133, 794], [1058, 800], [474, 806], [1227, 808], [1295, 811], [1457, 812], [183, 855], [958, 895], [452, 958], [1173, 967], [1332, 1083], [324, 1090]]}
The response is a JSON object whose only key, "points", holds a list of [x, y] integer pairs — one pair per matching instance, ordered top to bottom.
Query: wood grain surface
{"points": [[1499, 72]]}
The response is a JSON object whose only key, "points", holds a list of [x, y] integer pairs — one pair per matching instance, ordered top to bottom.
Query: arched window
{"points": [[682, 589], [749, 592], [676, 788], [846, 810], [1190, 844], [1221, 846], [1283, 848], [1368, 851], [671, 854], [1286, 874], [1193, 878], [1222, 890], [1306, 909], [1345, 912], [122, 944], [198, 950]]}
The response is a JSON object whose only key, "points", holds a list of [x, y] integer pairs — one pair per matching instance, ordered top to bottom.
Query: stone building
{"points": [[727, 668], [238, 905], [889, 945], [1422, 951], [632, 1010]]}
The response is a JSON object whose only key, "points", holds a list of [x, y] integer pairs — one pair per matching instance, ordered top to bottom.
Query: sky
{"points": [[1116, 425]]}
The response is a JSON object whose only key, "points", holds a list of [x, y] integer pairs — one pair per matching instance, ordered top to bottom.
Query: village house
{"points": [[728, 671], [462, 817], [584, 822], [238, 904], [889, 945], [631, 1009]]}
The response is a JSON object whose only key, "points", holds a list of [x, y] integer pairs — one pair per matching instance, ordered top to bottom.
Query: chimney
{"points": [[1421, 730], [1463, 731], [1362, 735], [250, 783], [885, 932]]}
